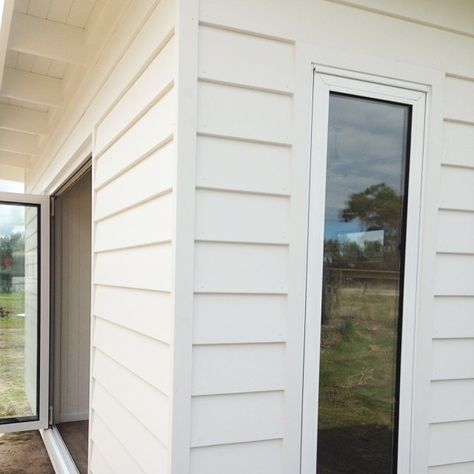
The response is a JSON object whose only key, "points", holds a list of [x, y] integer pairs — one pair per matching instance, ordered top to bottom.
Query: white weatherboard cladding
{"points": [[132, 116], [243, 169], [249, 178], [133, 263]]}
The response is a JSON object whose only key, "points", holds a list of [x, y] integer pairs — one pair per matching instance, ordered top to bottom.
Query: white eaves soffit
{"points": [[44, 55]]}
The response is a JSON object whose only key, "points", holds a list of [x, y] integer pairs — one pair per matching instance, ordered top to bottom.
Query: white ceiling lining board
{"points": [[70, 12], [5, 24], [47, 39], [50, 46], [36, 64], [30, 87], [23, 104], [23, 120], [18, 142], [14, 159]]}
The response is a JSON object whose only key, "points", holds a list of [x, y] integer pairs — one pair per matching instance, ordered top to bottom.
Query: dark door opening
{"points": [[71, 318]]}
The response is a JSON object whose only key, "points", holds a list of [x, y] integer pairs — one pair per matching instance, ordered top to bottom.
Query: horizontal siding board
{"points": [[436, 13], [152, 35], [254, 61], [157, 77], [460, 99], [244, 113], [155, 127], [458, 144], [238, 165], [146, 179], [456, 188], [240, 217], [148, 223], [455, 231], [148, 268], [240, 268], [454, 275], [146, 312], [453, 317], [231, 318], [147, 358], [453, 359], [238, 368], [452, 400], [148, 405], [225, 419], [451, 442], [107, 451], [147, 451], [263, 457], [98, 464], [460, 468]]}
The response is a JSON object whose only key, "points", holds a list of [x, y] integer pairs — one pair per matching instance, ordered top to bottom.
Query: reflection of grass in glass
{"points": [[11, 304], [357, 360], [13, 401]]}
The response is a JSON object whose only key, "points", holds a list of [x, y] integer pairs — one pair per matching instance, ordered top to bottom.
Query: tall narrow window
{"points": [[363, 262]]}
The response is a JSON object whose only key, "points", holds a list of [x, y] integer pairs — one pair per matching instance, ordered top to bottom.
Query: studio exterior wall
{"points": [[125, 115], [201, 146], [252, 162]]}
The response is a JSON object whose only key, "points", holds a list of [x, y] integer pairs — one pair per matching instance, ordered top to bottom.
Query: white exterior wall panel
{"points": [[131, 114], [248, 151], [243, 163], [133, 258], [224, 317], [453, 341]]}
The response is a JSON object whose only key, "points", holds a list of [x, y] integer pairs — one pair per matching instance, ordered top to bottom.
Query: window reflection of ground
{"points": [[357, 378]]}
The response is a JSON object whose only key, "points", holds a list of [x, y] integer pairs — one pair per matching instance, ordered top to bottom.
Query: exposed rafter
{"points": [[6, 13], [46, 38], [31, 87], [23, 120], [18, 142]]}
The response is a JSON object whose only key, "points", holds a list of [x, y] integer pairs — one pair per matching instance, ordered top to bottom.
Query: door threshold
{"points": [[58, 453]]}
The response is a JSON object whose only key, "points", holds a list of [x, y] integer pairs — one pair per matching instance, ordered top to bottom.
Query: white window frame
{"points": [[327, 80], [43, 359]]}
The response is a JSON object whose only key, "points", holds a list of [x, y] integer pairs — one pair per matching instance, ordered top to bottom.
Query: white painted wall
{"points": [[128, 105], [133, 156], [201, 157], [251, 195]]}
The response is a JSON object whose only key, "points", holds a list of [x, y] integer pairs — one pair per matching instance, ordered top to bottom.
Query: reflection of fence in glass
{"points": [[361, 285]]}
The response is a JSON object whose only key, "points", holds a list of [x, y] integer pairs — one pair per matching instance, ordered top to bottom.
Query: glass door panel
{"points": [[364, 233], [23, 312]]}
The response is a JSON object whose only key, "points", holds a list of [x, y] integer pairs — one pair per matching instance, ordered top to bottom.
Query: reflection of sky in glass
{"points": [[366, 144], [12, 219]]}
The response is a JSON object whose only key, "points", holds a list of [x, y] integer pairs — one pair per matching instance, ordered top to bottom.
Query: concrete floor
{"points": [[24, 453]]}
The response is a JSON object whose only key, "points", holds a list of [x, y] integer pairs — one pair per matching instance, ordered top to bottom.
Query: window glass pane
{"points": [[362, 275], [18, 312]]}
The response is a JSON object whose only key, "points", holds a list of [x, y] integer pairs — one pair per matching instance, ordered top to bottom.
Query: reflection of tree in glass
{"points": [[378, 207], [11, 259]]}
